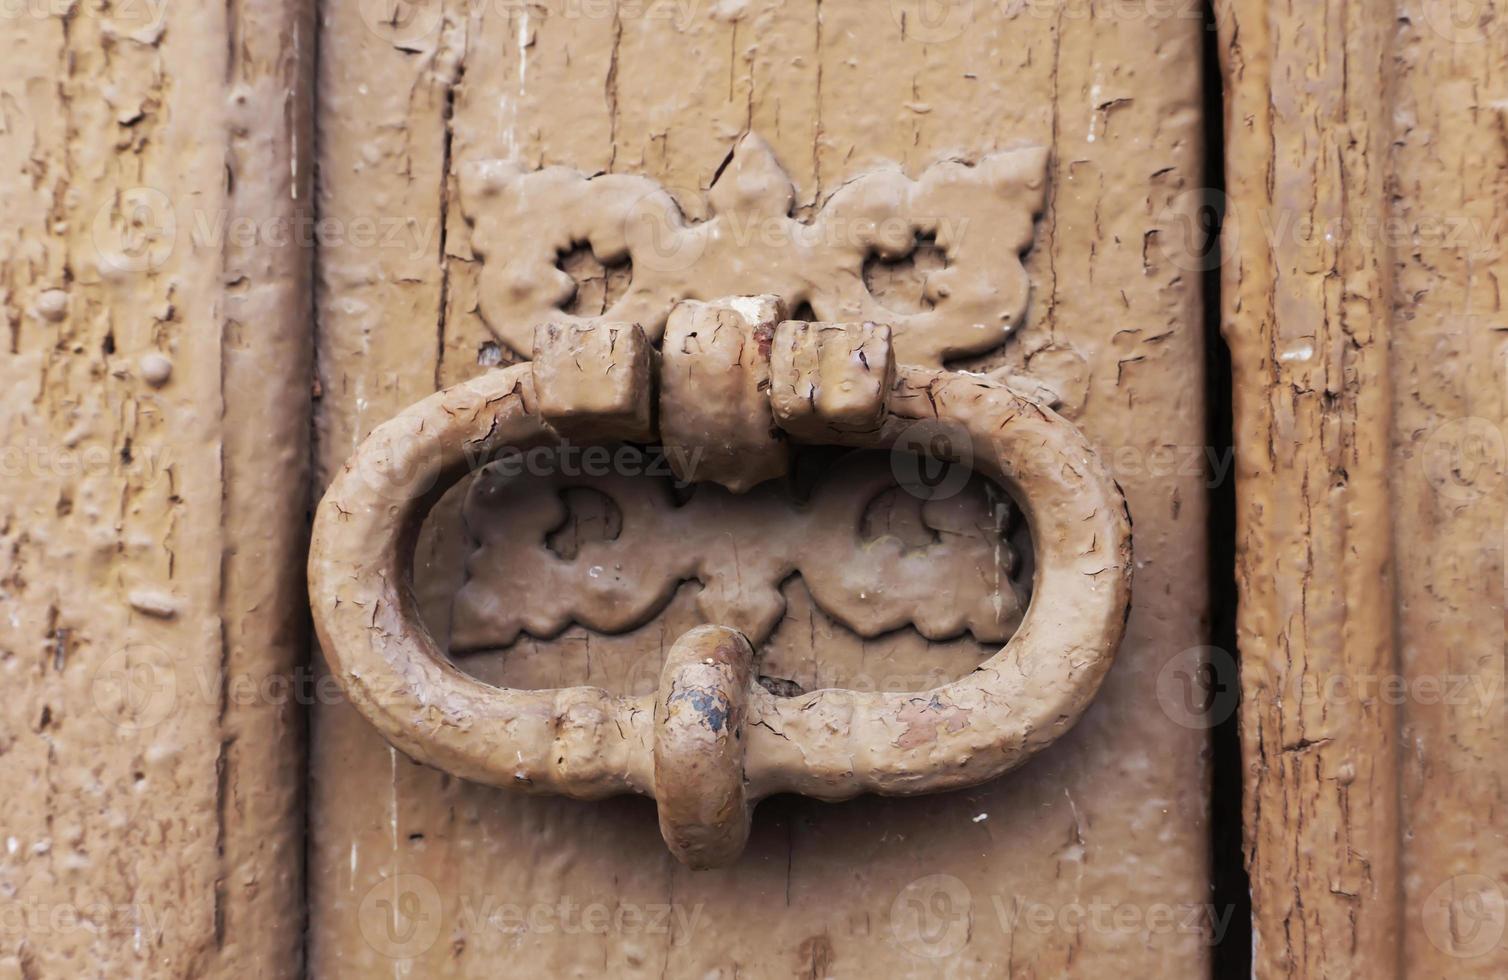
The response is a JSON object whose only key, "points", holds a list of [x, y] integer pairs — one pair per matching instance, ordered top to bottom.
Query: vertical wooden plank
{"points": [[386, 74], [1445, 228], [1363, 307], [1306, 316], [267, 378], [155, 395]]}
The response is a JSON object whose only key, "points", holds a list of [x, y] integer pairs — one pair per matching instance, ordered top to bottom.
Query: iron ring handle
{"points": [[830, 744]]}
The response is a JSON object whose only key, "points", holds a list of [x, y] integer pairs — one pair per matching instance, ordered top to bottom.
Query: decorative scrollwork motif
{"points": [[980, 216], [742, 548]]}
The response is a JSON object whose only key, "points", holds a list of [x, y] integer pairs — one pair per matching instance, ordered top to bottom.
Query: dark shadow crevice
{"points": [[1229, 883]]}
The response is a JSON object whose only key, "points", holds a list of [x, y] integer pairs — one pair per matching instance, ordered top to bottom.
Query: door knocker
{"points": [[739, 383]]}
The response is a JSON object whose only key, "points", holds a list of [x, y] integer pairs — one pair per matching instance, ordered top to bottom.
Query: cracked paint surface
{"points": [[1112, 321]]}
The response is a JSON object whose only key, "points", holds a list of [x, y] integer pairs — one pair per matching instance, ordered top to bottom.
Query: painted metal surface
{"points": [[831, 744], [969, 883]]}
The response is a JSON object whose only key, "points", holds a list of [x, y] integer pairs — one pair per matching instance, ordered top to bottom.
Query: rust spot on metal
{"points": [[923, 719]]}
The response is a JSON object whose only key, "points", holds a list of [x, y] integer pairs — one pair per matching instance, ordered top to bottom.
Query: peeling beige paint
{"points": [[836, 91], [1362, 306], [154, 416]]}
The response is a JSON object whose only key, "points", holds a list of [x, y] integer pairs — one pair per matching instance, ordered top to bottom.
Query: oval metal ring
{"points": [[830, 744]]}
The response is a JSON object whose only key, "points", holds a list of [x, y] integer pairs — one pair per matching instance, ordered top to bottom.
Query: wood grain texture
{"points": [[1365, 160], [154, 168], [1447, 237], [1306, 320], [1027, 875]]}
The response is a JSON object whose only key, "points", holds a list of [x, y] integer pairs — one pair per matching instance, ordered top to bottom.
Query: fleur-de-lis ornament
{"points": [[980, 216]]}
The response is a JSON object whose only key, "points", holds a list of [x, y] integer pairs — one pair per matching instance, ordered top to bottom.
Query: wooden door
{"points": [[168, 265], [1091, 859]]}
